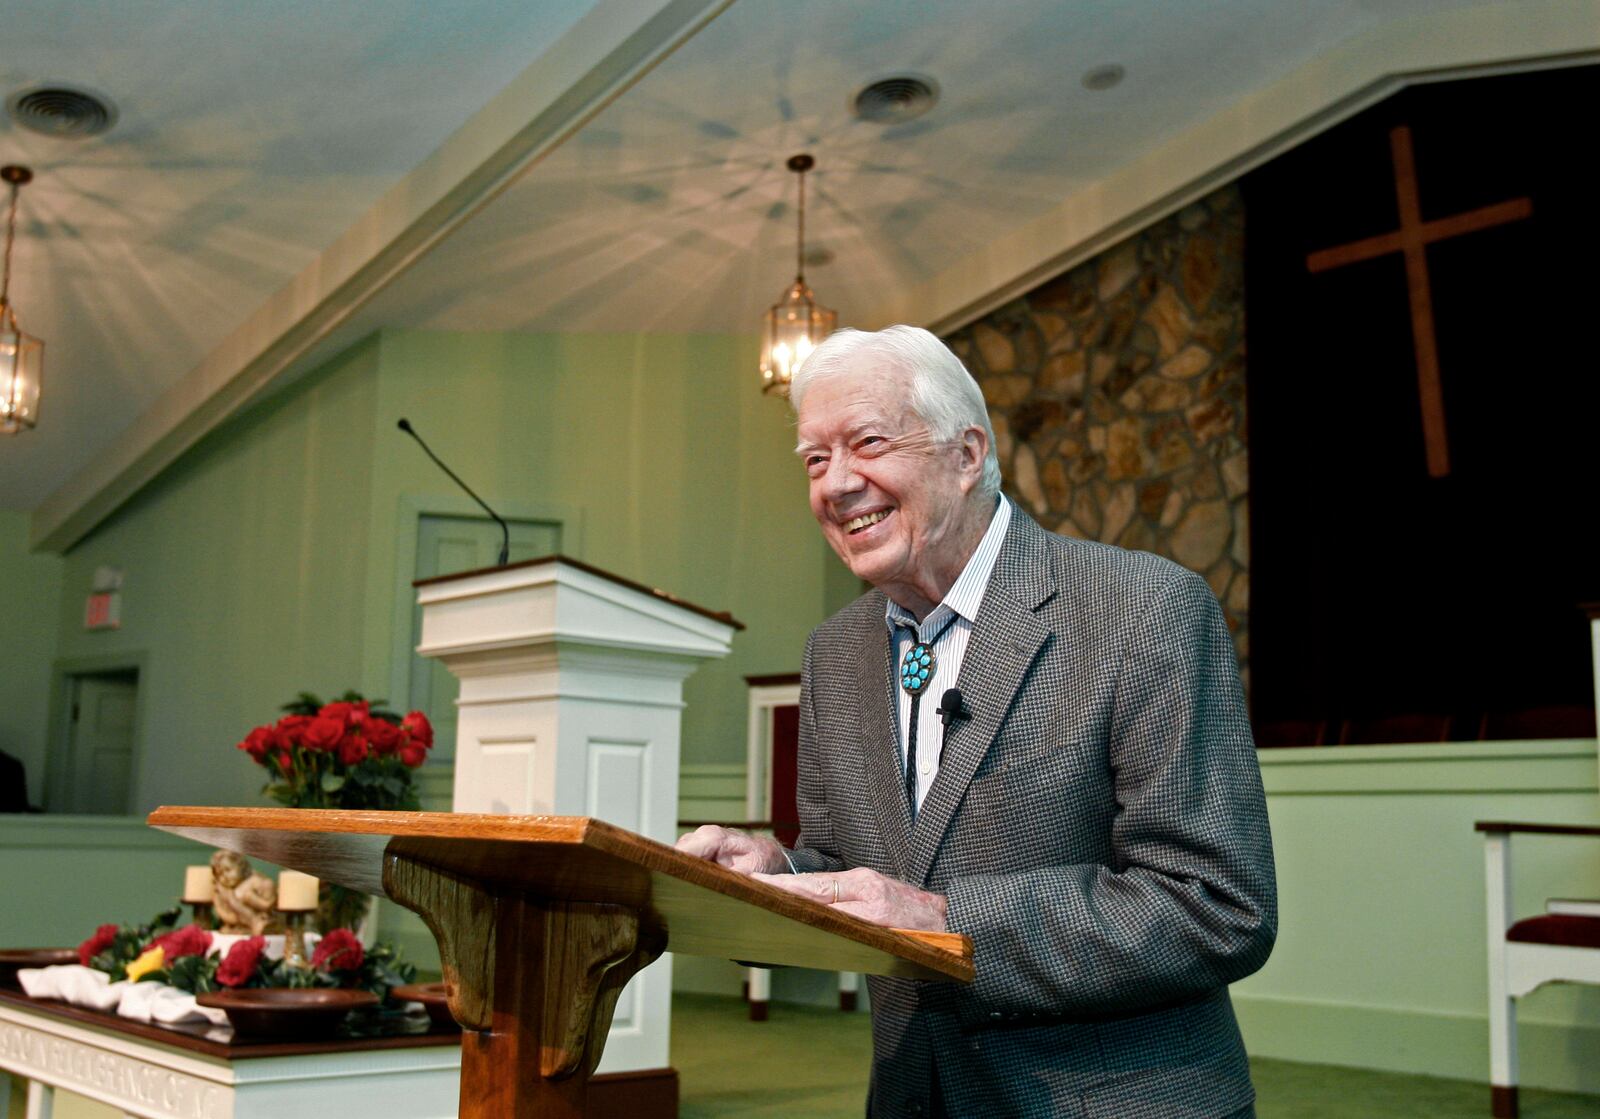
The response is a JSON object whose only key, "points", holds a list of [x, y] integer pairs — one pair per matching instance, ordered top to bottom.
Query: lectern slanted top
{"points": [[541, 920]]}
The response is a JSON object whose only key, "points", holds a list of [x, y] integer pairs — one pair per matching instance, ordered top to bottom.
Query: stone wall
{"points": [[1117, 394]]}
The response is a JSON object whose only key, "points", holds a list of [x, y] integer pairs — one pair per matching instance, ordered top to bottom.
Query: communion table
{"points": [[541, 920], [203, 1072]]}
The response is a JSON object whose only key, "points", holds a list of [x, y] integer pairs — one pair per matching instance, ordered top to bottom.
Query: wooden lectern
{"points": [[542, 919]]}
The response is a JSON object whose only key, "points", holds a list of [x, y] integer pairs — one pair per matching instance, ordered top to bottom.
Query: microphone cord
{"points": [[505, 529]]}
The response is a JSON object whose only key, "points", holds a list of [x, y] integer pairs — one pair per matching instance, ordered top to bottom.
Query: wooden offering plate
{"points": [[13, 960], [435, 999], [287, 1012]]}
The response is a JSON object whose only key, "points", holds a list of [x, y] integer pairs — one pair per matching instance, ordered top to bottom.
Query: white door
{"points": [[100, 744]]}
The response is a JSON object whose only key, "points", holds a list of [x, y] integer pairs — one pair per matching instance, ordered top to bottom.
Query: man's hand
{"points": [[736, 850], [867, 894]]}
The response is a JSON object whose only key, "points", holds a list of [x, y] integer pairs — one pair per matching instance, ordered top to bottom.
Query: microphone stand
{"points": [[505, 529]]}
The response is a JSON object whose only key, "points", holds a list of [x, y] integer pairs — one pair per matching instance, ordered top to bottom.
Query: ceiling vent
{"points": [[1102, 78], [896, 100], [63, 111]]}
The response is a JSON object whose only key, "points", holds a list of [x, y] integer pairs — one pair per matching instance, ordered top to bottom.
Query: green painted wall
{"points": [[665, 463], [274, 557], [267, 561], [243, 581], [30, 596], [93, 868], [1381, 959]]}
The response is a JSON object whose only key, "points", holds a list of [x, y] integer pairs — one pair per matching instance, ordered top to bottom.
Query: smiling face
{"points": [[900, 507]]}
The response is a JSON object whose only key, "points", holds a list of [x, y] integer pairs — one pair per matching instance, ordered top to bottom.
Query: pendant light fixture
{"points": [[797, 323], [21, 355]]}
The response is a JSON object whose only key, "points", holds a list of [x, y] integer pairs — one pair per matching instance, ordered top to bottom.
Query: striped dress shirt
{"points": [[963, 600]]}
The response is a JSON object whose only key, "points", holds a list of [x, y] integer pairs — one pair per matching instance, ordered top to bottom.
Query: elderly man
{"points": [[1087, 809]]}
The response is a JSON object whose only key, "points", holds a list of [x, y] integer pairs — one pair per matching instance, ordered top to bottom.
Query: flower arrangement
{"points": [[351, 753], [113, 947], [181, 957]]}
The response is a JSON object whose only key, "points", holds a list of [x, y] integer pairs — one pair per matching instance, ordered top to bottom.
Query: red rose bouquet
{"points": [[350, 753]]}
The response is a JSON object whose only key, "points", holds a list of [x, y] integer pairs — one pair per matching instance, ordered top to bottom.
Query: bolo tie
{"points": [[916, 673]]}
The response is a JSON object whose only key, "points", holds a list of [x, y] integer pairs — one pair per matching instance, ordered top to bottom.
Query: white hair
{"points": [[943, 394]]}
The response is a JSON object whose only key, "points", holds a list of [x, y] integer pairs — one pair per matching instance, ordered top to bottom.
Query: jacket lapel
{"points": [[1006, 638], [879, 744]]}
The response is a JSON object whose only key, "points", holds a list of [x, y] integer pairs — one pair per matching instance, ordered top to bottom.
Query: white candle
{"points": [[196, 884], [296, 891]]}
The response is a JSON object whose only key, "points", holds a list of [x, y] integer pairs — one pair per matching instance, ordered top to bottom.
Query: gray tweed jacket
{"points": [[1097, 824]]}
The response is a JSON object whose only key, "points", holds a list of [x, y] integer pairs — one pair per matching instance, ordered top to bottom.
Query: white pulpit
{"points": [[570, 704]]}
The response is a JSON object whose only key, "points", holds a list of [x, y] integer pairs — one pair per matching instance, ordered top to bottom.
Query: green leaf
{"points": [[303, 704], [332, 782], [195, 974]]}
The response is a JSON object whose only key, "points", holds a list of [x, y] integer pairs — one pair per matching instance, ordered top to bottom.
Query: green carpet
{"points": [[812, 1063]]}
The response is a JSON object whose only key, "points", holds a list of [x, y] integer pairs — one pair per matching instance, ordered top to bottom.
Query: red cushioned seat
{"points": [[1557, 928]]}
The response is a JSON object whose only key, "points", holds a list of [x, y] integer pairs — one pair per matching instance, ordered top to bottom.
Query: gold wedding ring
{"points": [[835, 891]]}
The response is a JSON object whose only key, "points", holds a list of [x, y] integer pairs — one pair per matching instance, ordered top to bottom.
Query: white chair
{"points": [[1526, 954]]}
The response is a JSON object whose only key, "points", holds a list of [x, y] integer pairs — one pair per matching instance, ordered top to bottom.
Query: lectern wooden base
{"points": [[541, 920], [532, 982]]}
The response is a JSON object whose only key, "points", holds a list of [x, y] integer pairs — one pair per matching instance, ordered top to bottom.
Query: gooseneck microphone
{"points": [[505, 530], [952, 707]]}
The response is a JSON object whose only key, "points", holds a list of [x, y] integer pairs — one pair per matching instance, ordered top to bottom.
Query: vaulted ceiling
{"points": [[284, 180]]}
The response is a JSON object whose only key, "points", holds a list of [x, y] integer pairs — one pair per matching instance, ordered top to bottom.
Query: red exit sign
{"points": [[103, 611]]}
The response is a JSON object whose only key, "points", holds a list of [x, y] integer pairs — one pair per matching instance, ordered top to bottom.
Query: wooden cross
{"points": [[1412, 239]]}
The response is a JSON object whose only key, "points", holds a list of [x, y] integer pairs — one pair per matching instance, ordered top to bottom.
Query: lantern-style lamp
{"points": [[797, 323], [21, 355]]}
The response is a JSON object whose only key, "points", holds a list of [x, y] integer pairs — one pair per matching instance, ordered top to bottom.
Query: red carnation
{"points": [[421, 731], [322, 733], [384, 736], [259, 743], [413, 755], [102, 939], [191, 940], [338, 950], [239, 967]]}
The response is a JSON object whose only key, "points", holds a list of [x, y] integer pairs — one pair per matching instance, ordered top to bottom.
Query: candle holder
{"points": [[204, 915], [294, 936]]}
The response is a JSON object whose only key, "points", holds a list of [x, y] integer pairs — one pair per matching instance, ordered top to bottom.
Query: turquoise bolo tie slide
{"points": [[916, 669]]}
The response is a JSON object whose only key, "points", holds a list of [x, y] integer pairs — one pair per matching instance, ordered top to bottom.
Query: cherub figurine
{"points": [[244, 901]]}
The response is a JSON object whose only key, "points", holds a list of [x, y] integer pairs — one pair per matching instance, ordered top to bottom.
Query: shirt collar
{"points": [[966, 594]]}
